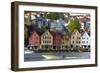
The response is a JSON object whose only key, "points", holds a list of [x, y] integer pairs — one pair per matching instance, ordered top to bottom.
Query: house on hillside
{"points": [[40, 20], [87, 24]]}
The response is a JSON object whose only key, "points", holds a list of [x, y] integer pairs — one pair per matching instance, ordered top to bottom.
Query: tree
{"points": [[53, 16], [74, 24], [44, 27], [26, 38]]}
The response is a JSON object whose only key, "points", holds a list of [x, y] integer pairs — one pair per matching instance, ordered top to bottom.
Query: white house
{"points": [[87, 24], [82, 25], [85, 40]]}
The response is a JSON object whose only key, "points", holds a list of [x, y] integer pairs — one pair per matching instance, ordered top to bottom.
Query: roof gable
{"points": [[75, 31], [46, 33], [34, 34], [85, 34]]}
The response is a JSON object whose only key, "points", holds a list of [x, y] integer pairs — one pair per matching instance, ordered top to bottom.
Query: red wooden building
{"points": [[34, 40], [57, 40]]}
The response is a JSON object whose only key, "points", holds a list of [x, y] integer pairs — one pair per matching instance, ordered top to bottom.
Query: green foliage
{"points": [[54, 15], [74, 24], [44, 27], [26, 35], [26, 38]]}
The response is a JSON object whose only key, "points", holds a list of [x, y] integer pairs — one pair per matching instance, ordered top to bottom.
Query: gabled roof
{"points": [[75, 31], [45, 32], [85, 32], [33, 33], [57, 33]]}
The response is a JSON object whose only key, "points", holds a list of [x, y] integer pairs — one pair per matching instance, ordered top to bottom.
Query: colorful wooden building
{"points": [[76, 39], [34, 40], [46, 40], [57, 40], [85, 40], [65, 41]]}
